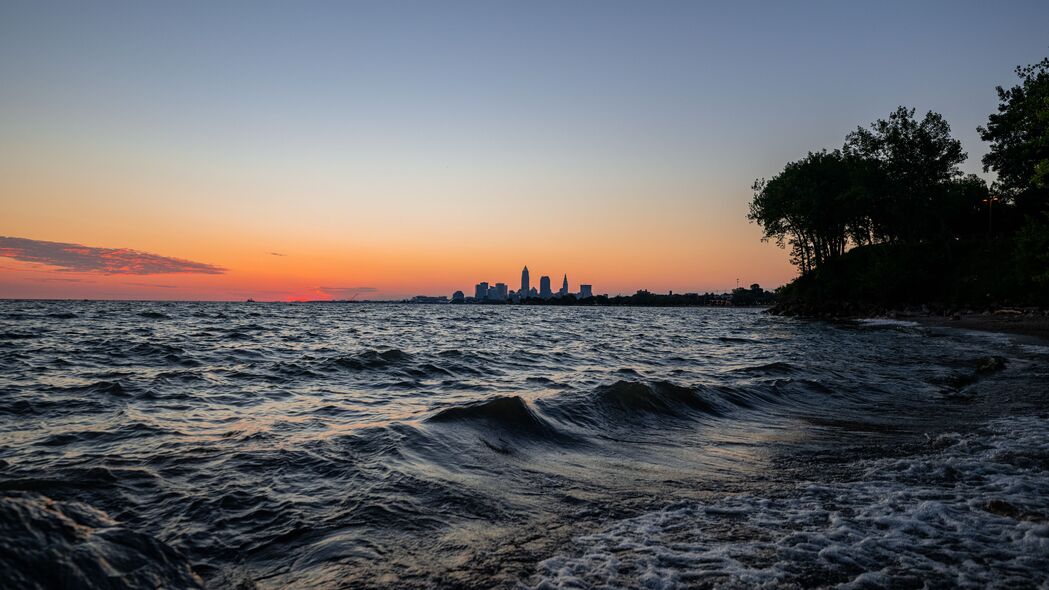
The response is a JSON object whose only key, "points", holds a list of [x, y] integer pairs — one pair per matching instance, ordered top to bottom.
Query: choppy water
{"points": [[333, 445]]}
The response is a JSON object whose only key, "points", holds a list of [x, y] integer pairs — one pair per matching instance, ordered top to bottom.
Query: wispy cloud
{"points": [[277, 254], [110, 261], [60, 280], [152, 285], [257, 292], [345, 292]]}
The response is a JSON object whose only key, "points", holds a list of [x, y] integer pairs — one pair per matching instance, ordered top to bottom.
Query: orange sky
{"points": [[279, 242]]}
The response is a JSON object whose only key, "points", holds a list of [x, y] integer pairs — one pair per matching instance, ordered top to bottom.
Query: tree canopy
{"points": [[1019, 138], [916, 162], [896, 181], [812, 205], [890, 219]]}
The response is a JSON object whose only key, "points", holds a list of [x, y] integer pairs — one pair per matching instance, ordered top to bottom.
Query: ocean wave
{"points": [[887, 323], [17, 336], [369, 359], [773, 368], [113, 388], [628, 402], [623, 404], [500, 415], [503, 422], [127, 431], [972, 514], [50, 544]]}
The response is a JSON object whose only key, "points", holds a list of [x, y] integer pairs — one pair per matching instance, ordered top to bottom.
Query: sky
{"points": [[317, 150]]}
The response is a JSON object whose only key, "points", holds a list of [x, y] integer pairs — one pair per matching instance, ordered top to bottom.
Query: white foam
{"points": [[887, 322], [1039, 349], [915, 519]]}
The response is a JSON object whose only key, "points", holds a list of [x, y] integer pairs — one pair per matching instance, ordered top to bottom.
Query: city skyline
{"points": [[484, 291]]}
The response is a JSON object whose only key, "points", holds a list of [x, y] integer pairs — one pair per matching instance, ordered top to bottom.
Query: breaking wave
{"points": [[971, 513], [49, 544]]}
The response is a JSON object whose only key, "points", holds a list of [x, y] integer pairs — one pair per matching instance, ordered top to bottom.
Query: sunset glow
{"points": [[392, 156]]}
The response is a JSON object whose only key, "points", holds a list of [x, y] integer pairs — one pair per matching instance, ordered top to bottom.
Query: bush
{"points": [[1032, 254]]}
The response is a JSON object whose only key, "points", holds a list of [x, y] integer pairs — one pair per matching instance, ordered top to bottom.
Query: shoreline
{"points": [[1031, 322], [1030, 326]]}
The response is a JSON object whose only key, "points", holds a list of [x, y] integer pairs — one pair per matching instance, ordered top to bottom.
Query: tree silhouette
{"points": [[1019, 137], [917, 161]]}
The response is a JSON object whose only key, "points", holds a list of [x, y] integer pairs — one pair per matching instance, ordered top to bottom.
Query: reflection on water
{"points": [[321, 445]]}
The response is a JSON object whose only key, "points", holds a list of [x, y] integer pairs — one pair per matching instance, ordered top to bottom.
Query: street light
{"points": [[990, 213]]}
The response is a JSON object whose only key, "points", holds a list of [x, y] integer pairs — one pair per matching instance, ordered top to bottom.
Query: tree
{"points": [[1019, 136], [916, 161], [811, 205], [962, 209], [1032, 253]]}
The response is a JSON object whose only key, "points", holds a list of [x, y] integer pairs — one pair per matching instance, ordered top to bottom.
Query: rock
{"points": [[991, 364], [1001, 508]]}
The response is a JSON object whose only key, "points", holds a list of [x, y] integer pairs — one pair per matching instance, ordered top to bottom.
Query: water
{"points": [[336, 445]]}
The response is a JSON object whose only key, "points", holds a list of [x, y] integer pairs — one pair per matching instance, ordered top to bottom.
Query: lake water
{"points": [[368, 445]]}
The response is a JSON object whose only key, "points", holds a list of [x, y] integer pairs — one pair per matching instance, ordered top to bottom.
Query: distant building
{"points": [[525, 283], [544, 287], [564, 287], [481, 291], [586, 291], [501, 292], [533, 292], [458, 297], [429, 299]]}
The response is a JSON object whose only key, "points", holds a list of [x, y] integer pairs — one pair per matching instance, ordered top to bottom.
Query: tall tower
{"points": [[525, 283], [544, 287], [564, 287]]}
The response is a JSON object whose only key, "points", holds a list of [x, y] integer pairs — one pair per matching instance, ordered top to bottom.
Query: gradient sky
{"points": [[300, 150]]}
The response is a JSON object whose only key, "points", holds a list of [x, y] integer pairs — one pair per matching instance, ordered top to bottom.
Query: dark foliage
{"points": [[1019, 138], [915, 164], [897, 181], [815, 205], [889, 220], [975, 274], [754, 296]]}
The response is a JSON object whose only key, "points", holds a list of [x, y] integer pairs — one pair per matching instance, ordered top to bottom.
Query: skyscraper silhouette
{"points": [[525, 283], [544, 287], [564, 287]]}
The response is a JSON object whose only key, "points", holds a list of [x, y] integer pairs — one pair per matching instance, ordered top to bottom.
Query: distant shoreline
{"points": [[398, 302]]}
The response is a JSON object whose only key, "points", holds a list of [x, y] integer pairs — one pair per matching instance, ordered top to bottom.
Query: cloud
{"points": [[277, 254], [110, 261], [60, 280], [157, 285], [257, 292], [345, 292]]}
